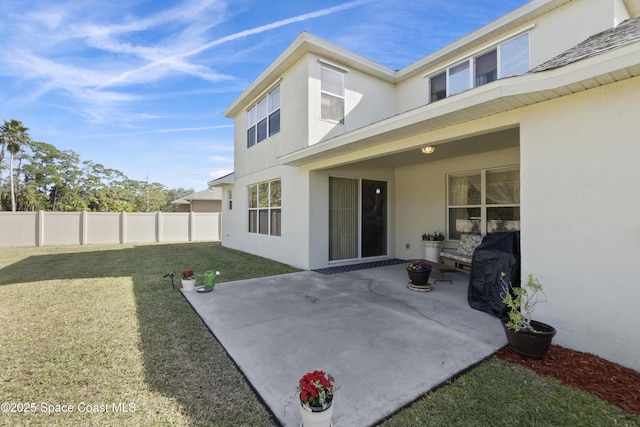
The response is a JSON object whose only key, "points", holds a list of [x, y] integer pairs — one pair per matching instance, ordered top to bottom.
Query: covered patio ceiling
{"points": [[498, 140]]}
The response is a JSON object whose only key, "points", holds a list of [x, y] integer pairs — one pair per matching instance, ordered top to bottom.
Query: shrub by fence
{"points": [[84, 228]]}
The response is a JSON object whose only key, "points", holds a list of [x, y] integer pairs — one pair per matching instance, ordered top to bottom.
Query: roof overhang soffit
{"points": [[223, 181]]}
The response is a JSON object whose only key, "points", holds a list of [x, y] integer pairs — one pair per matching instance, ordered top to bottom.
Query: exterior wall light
{"points": [[428, 150]]}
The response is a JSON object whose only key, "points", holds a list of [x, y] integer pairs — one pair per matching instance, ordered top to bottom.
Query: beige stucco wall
{"points": [[620, 11], [568, 25], [367, 100], [293, 125], [421, 200], [206, 205], [200, 206], [229, 217], [319, 219], [305, 225], [581, 230], [293, 246]]}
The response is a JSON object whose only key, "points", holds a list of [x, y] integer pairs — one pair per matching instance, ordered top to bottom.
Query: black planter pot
{"points": [[419, 277], [531, 344]]}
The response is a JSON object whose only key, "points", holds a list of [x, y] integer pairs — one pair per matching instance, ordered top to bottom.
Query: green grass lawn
{"points": [[93, 335]]}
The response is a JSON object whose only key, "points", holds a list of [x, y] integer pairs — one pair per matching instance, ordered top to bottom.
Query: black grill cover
{"points": [[498, 253]]}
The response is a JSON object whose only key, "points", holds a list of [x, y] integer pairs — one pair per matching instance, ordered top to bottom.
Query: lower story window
{"points": [[483, 202], [265, 208]]}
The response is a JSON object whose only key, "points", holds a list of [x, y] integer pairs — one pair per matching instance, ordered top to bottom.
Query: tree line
{"points": [[38, 176]]}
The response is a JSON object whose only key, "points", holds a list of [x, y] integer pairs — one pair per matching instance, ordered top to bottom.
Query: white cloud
{"points": [[52, 19], [65, 48], [80, 51], [178, 58], [207, 146], [220, 159], [218, 173]]}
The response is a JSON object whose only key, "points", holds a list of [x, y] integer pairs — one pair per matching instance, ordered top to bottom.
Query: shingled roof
{"points": [[624, 34], [211, 193], [208, 194]]}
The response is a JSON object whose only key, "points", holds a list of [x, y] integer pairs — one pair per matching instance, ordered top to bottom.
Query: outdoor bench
{"points": [[462, 256]]}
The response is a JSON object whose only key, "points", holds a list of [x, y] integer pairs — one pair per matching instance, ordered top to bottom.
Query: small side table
{"points": [[442, 268]]}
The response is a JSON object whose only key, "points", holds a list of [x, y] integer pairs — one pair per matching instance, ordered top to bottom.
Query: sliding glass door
{"points": [[357, 218]]}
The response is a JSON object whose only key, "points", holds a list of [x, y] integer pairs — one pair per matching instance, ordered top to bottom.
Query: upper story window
{"points": [[507, 59], [486, 68], [459, 78], [332, 94], [263, 119]]}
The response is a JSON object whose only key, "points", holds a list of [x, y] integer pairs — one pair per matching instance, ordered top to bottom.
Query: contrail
{"points": [[277, 24], [239, 35], [158, 131]]}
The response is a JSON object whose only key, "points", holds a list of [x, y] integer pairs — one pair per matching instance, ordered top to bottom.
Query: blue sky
{"points": [[140, 85]]}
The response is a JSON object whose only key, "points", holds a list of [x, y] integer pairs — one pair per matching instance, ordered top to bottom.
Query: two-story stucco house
{"points": [[534, 124]]}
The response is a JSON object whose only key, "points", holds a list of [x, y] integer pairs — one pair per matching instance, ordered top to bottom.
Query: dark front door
{"points": [[374, 218]]}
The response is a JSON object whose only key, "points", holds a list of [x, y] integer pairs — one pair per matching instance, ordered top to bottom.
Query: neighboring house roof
{"points": [[624, 34], [228, 179], [212, 193], [208, 194], [180, 202]]}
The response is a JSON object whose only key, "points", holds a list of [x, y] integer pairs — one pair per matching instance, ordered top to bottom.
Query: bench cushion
{"points": [[467, 245], [456, 257]]}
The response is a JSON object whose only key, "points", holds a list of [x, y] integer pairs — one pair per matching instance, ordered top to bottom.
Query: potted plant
{"points": [[436, 236], [432, 244], [419, 271], [188, 280], [525, 336], [316, 399]]}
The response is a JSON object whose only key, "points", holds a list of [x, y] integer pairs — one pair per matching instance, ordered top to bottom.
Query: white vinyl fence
{"points": [[85, 228]]}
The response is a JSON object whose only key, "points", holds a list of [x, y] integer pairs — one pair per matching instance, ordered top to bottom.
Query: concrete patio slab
{"points": [[385, 345]]}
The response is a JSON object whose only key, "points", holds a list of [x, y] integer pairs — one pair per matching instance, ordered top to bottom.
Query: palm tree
{"points": [[13, 134]]}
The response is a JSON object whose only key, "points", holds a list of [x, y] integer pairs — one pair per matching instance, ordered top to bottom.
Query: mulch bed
{"points": [[609, 381]]}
